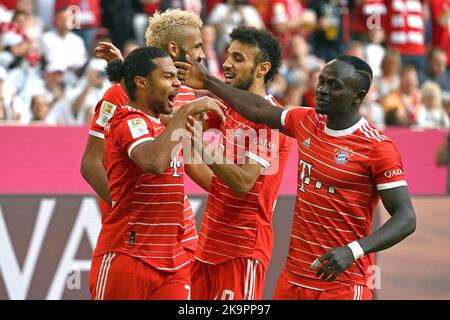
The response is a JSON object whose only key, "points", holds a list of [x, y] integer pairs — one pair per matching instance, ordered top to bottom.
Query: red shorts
{"points": [[117, 276], [237, 279], [285, 290]]}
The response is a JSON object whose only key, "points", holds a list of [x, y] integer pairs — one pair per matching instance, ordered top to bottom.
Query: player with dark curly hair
{"points": [[236, 236]]}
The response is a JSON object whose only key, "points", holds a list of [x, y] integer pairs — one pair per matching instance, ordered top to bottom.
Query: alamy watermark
{"points": [[73, 17], [236, 146], [374, 277], [73, 281]]}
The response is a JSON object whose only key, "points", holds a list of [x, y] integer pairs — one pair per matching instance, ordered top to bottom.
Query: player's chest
{"points": [[331, 162]]}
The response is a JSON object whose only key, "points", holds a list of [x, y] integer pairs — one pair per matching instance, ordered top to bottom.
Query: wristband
{"points": [[357, 251]]}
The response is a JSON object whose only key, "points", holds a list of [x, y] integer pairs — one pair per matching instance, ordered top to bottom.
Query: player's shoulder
{"points": [[116, 95], [126, 113], [299, 114], [374, 136]]}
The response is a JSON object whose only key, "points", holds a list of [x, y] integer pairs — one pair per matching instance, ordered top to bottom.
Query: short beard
{"points": [[182, 56], [246, 83]]}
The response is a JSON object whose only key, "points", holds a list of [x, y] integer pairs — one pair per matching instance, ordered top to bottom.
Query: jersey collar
{"points": [[345, 132]]}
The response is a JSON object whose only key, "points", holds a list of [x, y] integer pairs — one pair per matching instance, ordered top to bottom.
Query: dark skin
{"points": [[339, 97], [92, 168]]}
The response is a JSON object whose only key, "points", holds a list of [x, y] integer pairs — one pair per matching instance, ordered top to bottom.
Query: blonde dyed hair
{"points": [[170, 26], [431, 89]]}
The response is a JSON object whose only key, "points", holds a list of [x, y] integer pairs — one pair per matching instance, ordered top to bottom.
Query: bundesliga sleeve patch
{"points": [[106, 112], [138, 127]]}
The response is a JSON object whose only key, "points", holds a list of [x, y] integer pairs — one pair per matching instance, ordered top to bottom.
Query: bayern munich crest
{"points": [[341, 157]]}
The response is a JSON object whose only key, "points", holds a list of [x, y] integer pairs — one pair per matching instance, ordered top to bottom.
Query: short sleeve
{"points": [[105, 109], [291, 118], [132, 131], [263, 146], [267, 148], [386, 167]]}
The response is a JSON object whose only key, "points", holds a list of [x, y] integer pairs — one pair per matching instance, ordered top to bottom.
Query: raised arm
{"points": [[251, 106]]}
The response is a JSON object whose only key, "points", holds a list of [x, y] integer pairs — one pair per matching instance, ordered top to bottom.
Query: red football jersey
{"points": [[406, 26], [440, 34], [185, 95], [115, 97], [339, 175], [147, 220], [241, 226]]}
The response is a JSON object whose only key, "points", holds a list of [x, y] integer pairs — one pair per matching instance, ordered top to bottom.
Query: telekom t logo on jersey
{"points": [[175, 164], [306, 172], [305, 178]]}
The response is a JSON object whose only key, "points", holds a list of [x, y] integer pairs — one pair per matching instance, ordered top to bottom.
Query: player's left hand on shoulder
{"points": [[333, 263]]}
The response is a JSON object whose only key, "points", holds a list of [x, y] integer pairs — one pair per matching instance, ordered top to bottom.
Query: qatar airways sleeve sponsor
{"points": [[386, 166]]}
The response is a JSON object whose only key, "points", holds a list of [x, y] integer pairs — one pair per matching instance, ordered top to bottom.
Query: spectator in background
{"points": [[196, 6], [46, 10], [363, 13], [228, 15], [85, 16], [117, 16], [140, 19], [285, 19], [35, 25], [440, 25], [333, 28], [406, 31], [15, 43], [129, 46], [63, 47], [355, 48], [374, 51], [300, 56], [211, 61], [437, 69], [390, 79], [54, 83], [295, 88], [309, 97], [78, 101], [10, 103], [403, 104], [39, 109], [371, 109], [431, 114], [3, 116]]}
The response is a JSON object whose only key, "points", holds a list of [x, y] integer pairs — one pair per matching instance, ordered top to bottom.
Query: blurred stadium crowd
{"points": [[48, 74]]}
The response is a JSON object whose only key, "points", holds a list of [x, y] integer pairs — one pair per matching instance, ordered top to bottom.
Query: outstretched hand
{"points": [[107, 51], [191, 73], [206, 104], [333, 263]]}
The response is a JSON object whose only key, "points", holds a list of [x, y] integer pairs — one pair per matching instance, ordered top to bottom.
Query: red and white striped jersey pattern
{"points": [[406, 25], [185, 95], [116, 97], [339, 175], [147, 220], [241, 226]]}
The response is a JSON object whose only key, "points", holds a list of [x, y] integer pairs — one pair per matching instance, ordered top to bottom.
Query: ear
{"points": [[173, 49], [263, 69], [141, 82], [360, 97]]}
